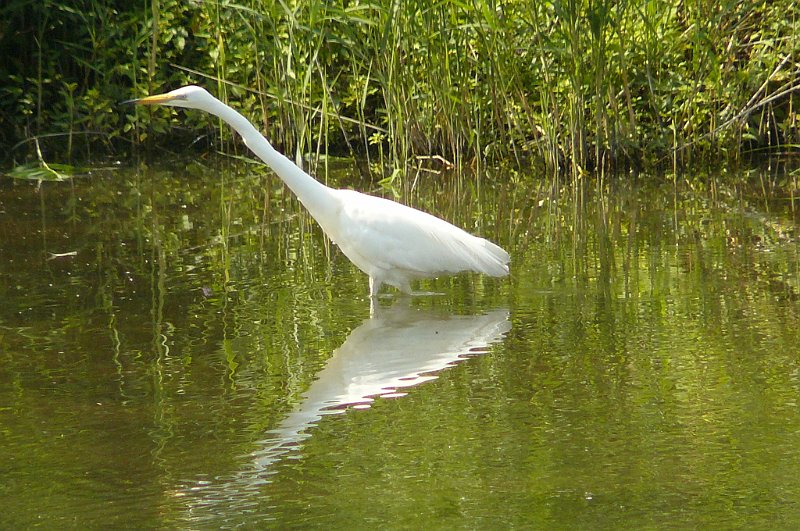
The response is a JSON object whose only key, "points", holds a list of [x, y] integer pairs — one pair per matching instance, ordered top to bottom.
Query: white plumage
{"points": [[390, 242]]}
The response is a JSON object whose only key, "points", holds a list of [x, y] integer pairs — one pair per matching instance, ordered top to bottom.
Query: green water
{"points": [[181, 348]]}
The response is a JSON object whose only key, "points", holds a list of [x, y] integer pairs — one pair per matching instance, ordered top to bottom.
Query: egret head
{"points": [[190, 97]]}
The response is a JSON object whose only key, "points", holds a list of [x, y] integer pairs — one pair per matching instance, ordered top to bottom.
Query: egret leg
{"points": [[374, 287], [405, 287]]}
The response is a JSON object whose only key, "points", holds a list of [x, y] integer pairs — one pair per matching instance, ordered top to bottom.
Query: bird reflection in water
{"points": [[396, 348], [392, 350]]}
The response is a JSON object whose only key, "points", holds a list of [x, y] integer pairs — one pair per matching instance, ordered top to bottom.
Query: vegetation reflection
{"points": [[160, 326]]}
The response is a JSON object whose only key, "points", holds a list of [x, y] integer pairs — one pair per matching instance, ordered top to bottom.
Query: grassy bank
{"points": [[569, 85]]}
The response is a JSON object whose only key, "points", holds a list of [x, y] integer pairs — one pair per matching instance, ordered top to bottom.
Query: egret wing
{"points": [[391, 236]]}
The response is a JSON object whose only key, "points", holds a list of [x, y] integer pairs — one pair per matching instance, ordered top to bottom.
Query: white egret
{"points": [[390, 242]]}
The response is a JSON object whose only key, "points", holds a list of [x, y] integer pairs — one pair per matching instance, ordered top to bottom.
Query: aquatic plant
{"points": [[571, 85]]}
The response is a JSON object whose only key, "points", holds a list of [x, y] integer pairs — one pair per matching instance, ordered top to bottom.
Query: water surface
{"points": [[181, 347]]}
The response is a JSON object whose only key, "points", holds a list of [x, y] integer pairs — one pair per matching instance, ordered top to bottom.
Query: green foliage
{"points": [[569, 84]]}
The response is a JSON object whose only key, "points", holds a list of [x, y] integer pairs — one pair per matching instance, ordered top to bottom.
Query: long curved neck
{"points": [[314, 195]]}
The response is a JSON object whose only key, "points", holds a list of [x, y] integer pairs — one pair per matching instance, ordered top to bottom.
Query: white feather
{"points": [[390, 242]]}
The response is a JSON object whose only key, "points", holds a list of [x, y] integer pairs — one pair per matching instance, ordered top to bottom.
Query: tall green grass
{"points": [[573, 86]]}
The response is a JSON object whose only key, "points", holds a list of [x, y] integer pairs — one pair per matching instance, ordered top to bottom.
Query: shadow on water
{"points": [[396, 348]]}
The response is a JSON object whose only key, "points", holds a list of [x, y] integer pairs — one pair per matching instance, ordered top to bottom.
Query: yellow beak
{"points": [[158, 99]]}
